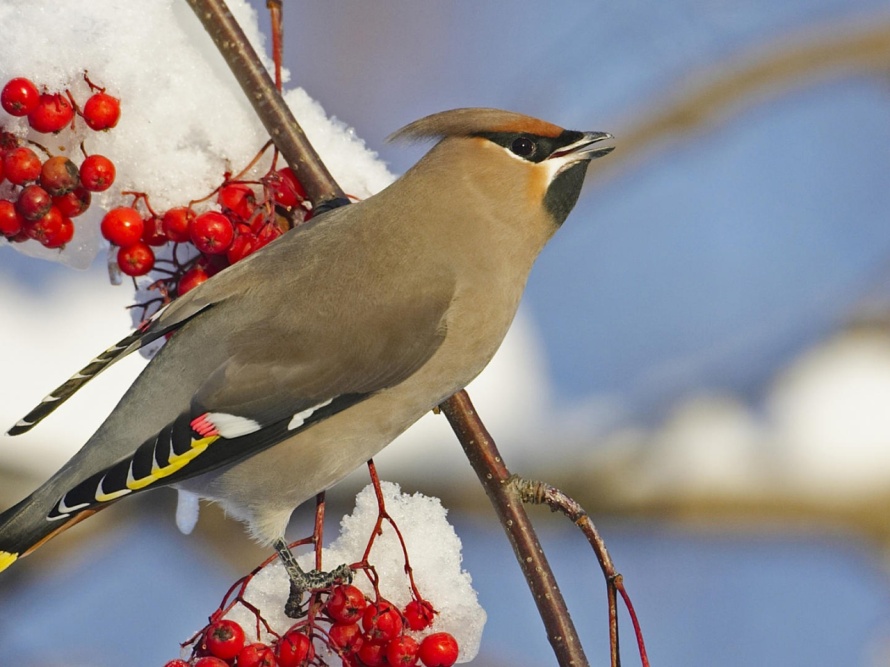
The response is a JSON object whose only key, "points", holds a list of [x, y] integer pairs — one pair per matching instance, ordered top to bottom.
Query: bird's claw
{"points": [[302, 582]]}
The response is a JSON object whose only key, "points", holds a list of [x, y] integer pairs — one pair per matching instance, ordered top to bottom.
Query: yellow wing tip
{"points": [[7, 559]]}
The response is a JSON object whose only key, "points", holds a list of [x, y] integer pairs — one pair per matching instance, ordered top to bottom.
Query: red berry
{"points": [[19, 97], [102, 111], [52, 113], [21, 165], [97, 173], [59, 175], [286, 188], [238, 199], [33, 202], [73, 203], [11, 221], [176, 223], [122, 226], [50, 230], [153, 231], [212, 232], [268, 233], [59, 236], [242, 245], [136, 259], [191, 279], [346, 604], [419, 614], [382, 622], [347, 638], [224, 639], [295, 649], [438, 650], [402, 651], [256, 655], [372, 655], [211, 661], [177, 663]]}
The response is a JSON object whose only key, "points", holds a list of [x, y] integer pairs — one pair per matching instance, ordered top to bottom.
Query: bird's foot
{"points": [[302, 582]]}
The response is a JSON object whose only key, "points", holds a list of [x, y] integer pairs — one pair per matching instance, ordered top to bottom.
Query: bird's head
{"points": [[524, 161]]}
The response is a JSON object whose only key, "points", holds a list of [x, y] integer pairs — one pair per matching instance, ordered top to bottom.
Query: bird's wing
{"points": [[167, 320], [252, 402]]}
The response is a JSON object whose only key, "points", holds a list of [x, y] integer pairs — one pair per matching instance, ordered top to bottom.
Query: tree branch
{"points": [[486, 461]]}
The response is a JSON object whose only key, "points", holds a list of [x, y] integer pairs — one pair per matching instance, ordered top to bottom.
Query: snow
{"points": [[184, 119], [822, 436], [434, 550]]}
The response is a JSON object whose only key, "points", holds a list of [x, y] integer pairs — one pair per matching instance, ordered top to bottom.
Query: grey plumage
{"points": [[302, 361]]}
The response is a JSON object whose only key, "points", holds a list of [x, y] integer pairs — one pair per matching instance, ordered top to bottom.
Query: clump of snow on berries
{"points": [[184, 121], [434, 550]]}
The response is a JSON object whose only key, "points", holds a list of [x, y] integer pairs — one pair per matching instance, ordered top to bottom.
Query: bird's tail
{"points": [[24, 527]]}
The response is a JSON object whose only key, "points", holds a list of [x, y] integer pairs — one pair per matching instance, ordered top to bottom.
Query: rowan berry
{"points": [[19, 96], [102, 111], [52, 113], [21, 165], [97, 173], [59, 175], [286, 188], [237, 199], [33, 202], [73, 203], [11, 221], [176, 223], [122, 226], [51, 230], [153, 231], [212, 232], [57, 234], [136, 259], [191, 279], [346, 604], [419, 614], [382, 622], [347, 638], [224, 639], [295, 649], [438, 650], [402, 651], [256, 655], [372, 655], [211, 661]]}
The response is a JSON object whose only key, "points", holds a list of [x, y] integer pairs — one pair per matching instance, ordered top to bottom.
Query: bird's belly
{"points": [[265, 489]]}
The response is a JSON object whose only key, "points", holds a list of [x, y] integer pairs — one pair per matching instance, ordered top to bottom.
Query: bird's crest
{"points": [[472, 121]]}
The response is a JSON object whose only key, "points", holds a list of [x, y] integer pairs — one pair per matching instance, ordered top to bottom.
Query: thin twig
{"points": [[541, 493]]}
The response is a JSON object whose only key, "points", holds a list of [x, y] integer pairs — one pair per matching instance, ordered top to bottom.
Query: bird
{"points": [[286, 371]]}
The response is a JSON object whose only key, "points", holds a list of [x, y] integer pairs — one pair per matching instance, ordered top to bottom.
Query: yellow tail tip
{"points": [[7, 559]]}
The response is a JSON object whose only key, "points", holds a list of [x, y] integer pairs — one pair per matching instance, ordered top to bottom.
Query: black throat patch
{"points": [[562, 195]]}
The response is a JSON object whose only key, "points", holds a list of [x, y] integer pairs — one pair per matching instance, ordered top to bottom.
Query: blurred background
{"points": [[702, 357]]}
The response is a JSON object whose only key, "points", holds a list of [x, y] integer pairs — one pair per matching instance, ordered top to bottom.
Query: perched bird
{"points": [[291, 368]]}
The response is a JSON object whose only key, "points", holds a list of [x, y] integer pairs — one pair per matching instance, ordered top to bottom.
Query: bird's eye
{"points": [[523, 147]]}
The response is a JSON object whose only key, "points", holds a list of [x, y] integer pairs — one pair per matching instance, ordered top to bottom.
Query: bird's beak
{"points": [[589, 147]]}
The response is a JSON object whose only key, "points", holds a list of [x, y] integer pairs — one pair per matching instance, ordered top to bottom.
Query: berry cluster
{"points": [[38, 197], [250, 215], [359, 631]]}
